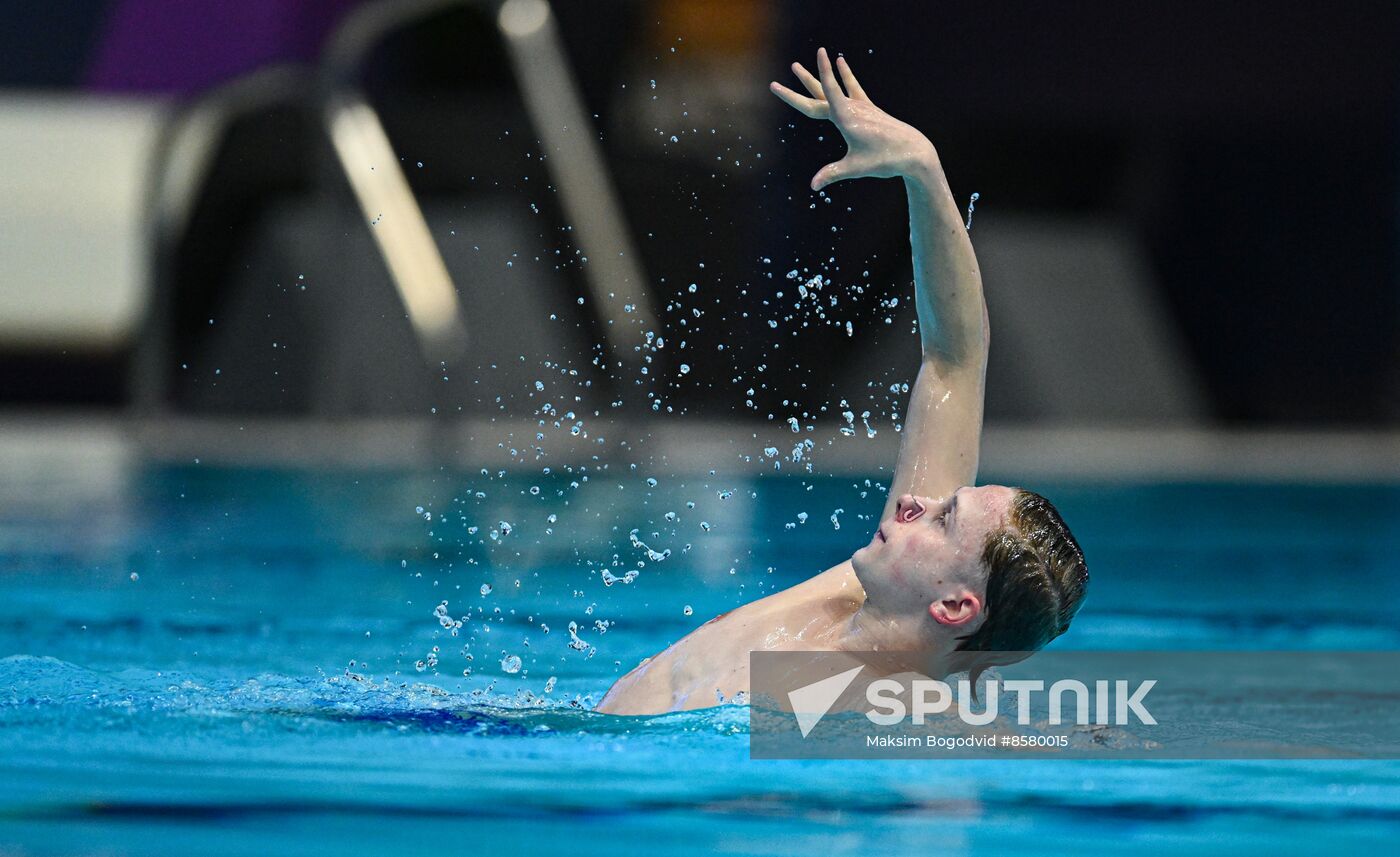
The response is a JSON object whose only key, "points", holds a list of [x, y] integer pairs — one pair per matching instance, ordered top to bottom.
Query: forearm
{"points": [[947, 282], [943, 424]]}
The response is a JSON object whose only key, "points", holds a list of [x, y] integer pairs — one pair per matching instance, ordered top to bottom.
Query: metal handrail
{"points": [[554, 106], [366, 159], [180, 161]]}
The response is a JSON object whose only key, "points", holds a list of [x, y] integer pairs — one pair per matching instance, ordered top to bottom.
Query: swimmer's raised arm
{"points": [[943, 426]]}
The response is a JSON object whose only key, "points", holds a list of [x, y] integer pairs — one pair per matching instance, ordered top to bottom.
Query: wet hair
{"points": [[1035, 583]]}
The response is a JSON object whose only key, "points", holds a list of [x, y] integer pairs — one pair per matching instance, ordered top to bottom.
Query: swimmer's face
{"points": [[926, 561]]}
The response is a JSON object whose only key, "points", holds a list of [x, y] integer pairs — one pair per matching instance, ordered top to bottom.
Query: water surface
{"points": [[234, 661]]}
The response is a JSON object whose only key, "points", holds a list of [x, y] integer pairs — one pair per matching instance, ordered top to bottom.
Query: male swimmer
{"points": [[971, 576]]}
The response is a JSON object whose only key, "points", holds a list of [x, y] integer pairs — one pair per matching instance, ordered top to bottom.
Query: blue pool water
{"points": [[227, 661]]}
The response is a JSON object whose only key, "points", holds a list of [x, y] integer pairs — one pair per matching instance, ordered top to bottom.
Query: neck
{"points": [[866, 628], [871, 630]]}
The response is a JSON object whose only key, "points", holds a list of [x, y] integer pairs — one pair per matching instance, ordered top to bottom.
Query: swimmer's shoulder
{"points": [[637, 691]]}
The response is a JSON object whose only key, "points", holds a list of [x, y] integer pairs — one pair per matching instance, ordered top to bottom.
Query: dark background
{"points": [[1250, 147]]}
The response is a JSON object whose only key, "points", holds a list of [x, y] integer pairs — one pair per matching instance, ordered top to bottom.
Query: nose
{"points": [[907, 509]]}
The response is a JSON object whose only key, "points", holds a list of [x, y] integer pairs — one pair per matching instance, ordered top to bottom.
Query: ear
{"points": [[959, 609]]}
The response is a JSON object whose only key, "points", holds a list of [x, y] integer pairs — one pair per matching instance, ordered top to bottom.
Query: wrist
{"points": [[921, 167]]}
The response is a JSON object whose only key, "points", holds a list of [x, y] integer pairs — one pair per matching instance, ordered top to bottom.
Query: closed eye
{"points": [[947, 513]]}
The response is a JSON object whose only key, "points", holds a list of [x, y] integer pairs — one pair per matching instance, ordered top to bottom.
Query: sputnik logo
{"points": [[810, 703]]}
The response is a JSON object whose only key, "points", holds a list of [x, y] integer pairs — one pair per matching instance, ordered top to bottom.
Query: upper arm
{"points": [[942, 432], [636, 692]]}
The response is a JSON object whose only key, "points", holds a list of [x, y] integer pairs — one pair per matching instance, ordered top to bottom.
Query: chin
{"points": [[859, 563]]}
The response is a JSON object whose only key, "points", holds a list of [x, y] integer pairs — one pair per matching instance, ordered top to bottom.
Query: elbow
{"points": [[960, 352]]}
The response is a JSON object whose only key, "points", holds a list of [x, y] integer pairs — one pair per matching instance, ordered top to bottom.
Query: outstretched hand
{"points": [[877, 144]]}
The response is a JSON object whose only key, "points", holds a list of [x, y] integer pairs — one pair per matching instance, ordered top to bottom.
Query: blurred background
{"points": [[326, 212], [316, 314]]}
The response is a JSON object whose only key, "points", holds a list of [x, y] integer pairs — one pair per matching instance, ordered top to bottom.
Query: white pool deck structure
{"points": [[1067, 454]]}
